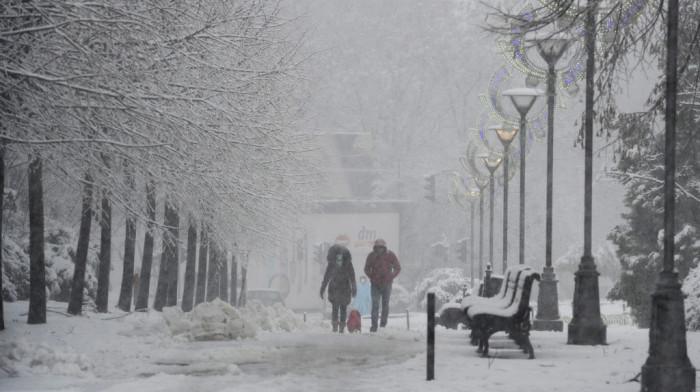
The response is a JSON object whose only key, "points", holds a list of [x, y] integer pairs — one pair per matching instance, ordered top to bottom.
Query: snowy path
{"points": [[136, 353], [292, 353]]}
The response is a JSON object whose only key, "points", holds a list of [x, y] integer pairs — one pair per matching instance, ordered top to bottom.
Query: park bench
{"points": [[502, 298], [509, 313]]}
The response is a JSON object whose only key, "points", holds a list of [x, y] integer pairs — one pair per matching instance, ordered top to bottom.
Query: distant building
{"points": [[347, 214]]}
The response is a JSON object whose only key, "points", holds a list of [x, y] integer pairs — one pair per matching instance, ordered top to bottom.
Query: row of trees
{"points": [[190, 102]]}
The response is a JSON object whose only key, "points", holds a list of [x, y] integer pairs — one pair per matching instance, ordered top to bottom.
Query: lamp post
{"points": [[550, 48], [522, 99], [505, 135], [492, 164], [481, 184], [473, 195], [586, 326], [668, 368]]}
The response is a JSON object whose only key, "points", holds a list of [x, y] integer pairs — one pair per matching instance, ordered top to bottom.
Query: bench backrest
{"points": [[512, 287], [505, 295], [517, 302], [520, 303]]}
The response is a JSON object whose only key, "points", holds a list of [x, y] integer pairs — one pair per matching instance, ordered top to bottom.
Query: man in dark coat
{"points": [[381, 268], [340, 279]]}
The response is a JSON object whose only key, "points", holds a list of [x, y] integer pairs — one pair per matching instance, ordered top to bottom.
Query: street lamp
{"points": [[551, 48], [522, 98], [505, 135], [492, 164], [481, 184], [461, 192], [473, 195], [586, 326], [668, 368]]}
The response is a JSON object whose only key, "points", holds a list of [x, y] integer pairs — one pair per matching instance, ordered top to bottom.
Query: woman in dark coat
{"points": [[340, 279]]}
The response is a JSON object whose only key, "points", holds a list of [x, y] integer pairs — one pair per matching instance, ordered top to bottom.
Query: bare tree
{"points": [[2, 198], [105, 257], [147, 258], [202, 269], [213, 272], [37, 273], [223, 275], [234, 280], [188, 292], [125, 293], [75, 305]]}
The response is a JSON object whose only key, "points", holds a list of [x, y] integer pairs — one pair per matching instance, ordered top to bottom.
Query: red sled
{"points": [[354, 321]]}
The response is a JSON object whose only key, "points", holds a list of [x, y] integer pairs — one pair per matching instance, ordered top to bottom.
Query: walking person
{"points": [[381, 268], [340, 280]]}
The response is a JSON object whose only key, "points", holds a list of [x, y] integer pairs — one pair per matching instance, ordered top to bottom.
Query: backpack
{"points": [[354, 321]]}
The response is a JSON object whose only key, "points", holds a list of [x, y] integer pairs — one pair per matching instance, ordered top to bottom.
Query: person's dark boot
{"points": [[335, 326], [341, 327], [373, 328]]}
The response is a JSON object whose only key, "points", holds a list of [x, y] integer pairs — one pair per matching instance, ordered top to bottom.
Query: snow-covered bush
{"points": [[59, 253], [606, 262], [60, 263], [15, 271], [446, 282], [691, 286], [400, 298]]}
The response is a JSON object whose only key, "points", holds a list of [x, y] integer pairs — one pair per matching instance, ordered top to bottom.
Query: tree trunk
{"points": [[2, 198], [173, 258], [147, 260], [202, 270], [37, 272], [128, 273], [213, 273], [223, 275], [234, 280], [162, 285], [126, 290], [188, 291], [102, 297], [241, 297], [75, 305]]}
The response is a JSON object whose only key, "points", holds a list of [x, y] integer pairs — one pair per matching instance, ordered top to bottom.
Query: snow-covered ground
{"points": [[138, 352]]}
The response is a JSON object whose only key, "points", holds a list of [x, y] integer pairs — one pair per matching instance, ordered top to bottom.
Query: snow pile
{"points": [[271, 318], [215, 320], [218, 320], [22, 358]]}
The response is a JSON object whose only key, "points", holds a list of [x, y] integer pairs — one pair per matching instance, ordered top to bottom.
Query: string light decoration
{"points": [[515, 51], [492, 111]]}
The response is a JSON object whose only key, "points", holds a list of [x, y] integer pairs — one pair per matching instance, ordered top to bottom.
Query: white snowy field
{"points": [[137, 352]]}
